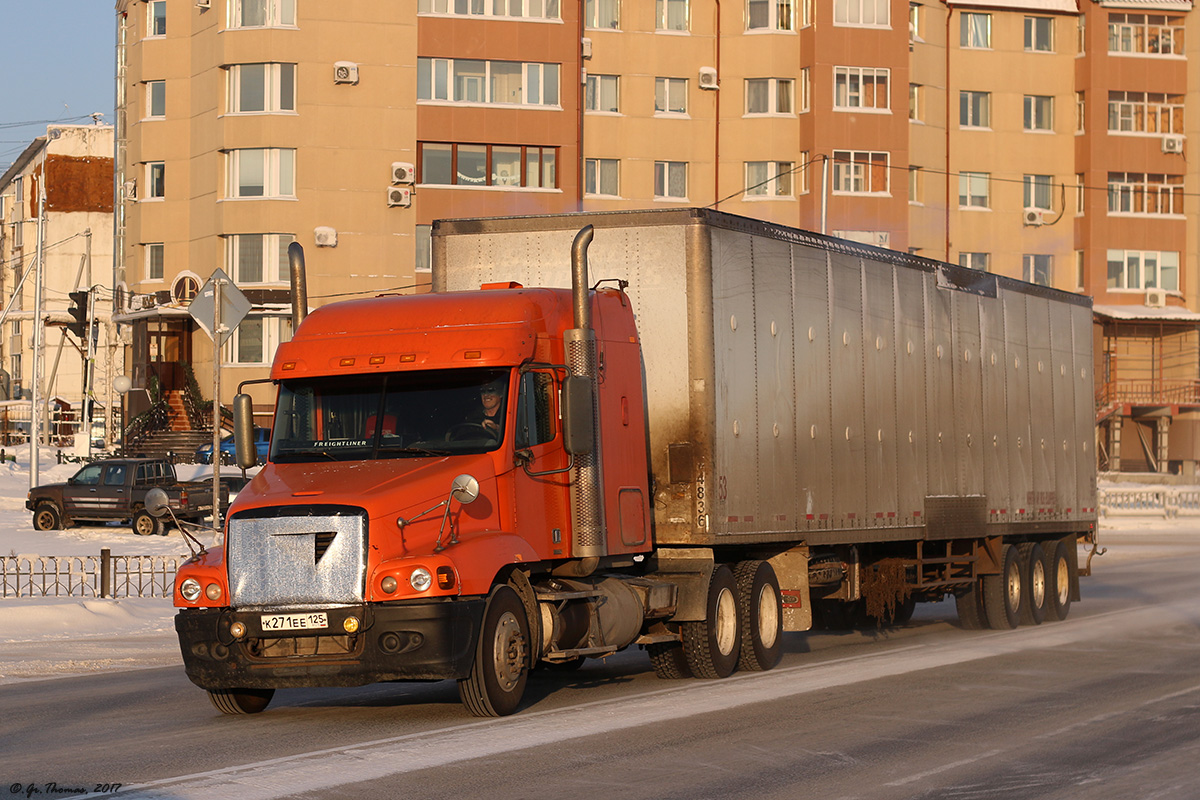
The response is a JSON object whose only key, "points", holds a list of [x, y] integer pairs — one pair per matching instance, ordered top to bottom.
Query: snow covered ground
{"points": [[53, 637]]}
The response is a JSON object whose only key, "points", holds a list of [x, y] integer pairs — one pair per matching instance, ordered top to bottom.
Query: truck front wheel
{"points": [[46, 517], [146, 524], [760, 615], [714, 644], [497, 680], [240, 701]]}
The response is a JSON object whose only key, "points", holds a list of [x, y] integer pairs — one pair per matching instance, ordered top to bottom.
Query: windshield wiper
{"points": [[421, 451], [309, 452]]}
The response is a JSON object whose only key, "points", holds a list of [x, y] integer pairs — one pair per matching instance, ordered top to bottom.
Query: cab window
{"points": [[535, 409]]}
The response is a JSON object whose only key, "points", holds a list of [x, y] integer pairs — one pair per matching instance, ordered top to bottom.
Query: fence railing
{"points": [[1149, 501], [104, 575]]}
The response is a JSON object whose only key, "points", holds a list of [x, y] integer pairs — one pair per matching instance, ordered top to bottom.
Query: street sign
{"points": [[234, 306]]}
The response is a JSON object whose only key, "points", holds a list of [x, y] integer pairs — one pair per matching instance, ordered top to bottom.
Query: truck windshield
{"points": [[392, 415]]}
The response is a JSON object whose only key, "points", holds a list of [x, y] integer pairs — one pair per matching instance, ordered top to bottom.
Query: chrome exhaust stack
{"points": [[299, 284]]}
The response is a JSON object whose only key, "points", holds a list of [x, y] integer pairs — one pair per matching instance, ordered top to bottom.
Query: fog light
{"points": [[420, 579], [388, 584], [190, 589], [213, 591], [350, 624], [237, 630]]}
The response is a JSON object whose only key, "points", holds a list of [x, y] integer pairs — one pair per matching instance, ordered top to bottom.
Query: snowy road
{"points": [[1106, 704]]}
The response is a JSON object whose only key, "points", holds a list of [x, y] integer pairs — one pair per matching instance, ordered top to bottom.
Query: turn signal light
{"points": [[346, 362], [445, 578]]}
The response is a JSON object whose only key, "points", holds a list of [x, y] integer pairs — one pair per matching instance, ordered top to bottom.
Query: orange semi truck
{"points": [[739, 429]]}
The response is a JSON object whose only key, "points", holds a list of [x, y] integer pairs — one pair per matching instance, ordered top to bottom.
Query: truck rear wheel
{"points": [[46, 517], [146, 524], [1058, 557], [1003, 593], [969, 603], [1033, 606], [760, 616], [712, 645], [668, 661], [497, 680], [240, 701]]}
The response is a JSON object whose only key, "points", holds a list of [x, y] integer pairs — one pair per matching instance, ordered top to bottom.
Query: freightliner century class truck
{"points": [[717, 431]]}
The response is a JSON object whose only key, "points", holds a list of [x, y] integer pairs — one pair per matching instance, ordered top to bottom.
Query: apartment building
{"points": [[64, 181]]}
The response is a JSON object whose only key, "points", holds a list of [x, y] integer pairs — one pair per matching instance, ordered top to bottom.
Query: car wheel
{"points": [[46, 517], [146, 524]]}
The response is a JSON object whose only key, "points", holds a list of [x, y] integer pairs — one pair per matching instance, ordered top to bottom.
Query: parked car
{"points": [[262, 444]]}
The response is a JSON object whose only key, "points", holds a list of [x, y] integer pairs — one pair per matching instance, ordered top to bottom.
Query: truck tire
{"points": [[47, 517], [146, 524], [1058, 560], [1003, 593], [969, 603], [1033, 606], [760, 616], [713, 645], [668, 661], [497, 680], [240, 701]]}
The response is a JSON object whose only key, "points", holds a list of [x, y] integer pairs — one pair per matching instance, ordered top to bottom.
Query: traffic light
{"points": [[79, 310]]}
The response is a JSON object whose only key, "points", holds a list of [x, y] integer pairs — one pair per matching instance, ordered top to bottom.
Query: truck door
{"points": [[79, 495], [112, 495], [542, 503]]}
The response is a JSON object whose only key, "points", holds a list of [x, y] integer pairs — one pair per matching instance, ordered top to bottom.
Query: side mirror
{"points": [[578, 414], [243, 431], [464, 489], [156, 502]]}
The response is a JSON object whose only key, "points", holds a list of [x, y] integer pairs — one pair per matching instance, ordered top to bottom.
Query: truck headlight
{"points": [[420, 579], [190, 589]]}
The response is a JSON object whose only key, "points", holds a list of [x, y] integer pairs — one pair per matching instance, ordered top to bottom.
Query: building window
{"points": [[505, 9], [261, 13], [601, 13], [806, 13], [862, 13], [671, 15], [769, 15], [156, 18], [914, 22], [975, 30], [1039, 34], [1145, 34], [1081, 35], [492, 82], [256, 88], [861, 88], [603, 93], [670, 95], [769, 95], [156, 99], [914, 102], [975, 109], [1080, 110], [1039, 112], [1145, 112], [512, 166], [265, 172], [860, 172], [601, 176], [769, 178], [156, 180], [670, 180], [914, 184], [973, 189], [1037, 191], [1079, 193], [1138, 193], [258, 257], [424, 258], [154, 261], [977, 261], [1036, 268], [1143, 269], [1079, 270], [255, 340], [15, 361]]}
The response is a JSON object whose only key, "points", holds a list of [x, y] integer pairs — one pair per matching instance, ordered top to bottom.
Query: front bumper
{"points": [[414, 640]]}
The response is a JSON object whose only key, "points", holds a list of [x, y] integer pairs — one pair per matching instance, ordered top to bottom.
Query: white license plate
{"points": [[294, 622]]}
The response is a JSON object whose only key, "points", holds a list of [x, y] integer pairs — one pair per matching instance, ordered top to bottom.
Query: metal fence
{"points": [[1150, 501], [104, 575]]}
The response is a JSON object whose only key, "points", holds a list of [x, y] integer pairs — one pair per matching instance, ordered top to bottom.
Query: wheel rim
{"points": [[45, 520], [144, 526], [1062, 580], [1037, 583], [1014, 586], [768, 616], [726, 622], [508, 651]]}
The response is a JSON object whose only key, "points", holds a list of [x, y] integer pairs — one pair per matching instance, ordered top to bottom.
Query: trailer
{"points": [[708, 430]]}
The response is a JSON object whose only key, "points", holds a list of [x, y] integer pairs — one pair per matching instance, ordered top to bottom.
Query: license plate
{"points": [[294, 622]]}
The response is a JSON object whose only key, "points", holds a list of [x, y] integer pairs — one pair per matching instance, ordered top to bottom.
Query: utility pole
{"points": [[218, 285], [38, 330]]}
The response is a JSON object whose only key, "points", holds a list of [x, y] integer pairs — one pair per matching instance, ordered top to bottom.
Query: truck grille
{"points": [[293, 557]]}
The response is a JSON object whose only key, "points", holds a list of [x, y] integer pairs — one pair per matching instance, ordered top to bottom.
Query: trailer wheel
{"points": [[46, 517], [146, 524], [1057, 564], [1003, 593], [969, 604], [1033, 605], [904, 611], [760, 615], [713, 644], [668, 661], [497, 680], [240, 701]]}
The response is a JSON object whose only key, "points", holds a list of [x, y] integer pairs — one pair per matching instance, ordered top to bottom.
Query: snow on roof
{"points": [[1154, 5], [1061, 6], [1168, 314]]}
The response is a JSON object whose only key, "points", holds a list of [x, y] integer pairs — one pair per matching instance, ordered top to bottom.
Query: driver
{"points": [[490, 414]]}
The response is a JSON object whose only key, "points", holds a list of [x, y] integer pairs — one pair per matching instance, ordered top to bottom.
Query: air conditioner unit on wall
{"points": [[345, 72], [708, 78], [1172, 144], [403, 172], [129, 190], [399, 197], [1034, 216], [325, 236], [1156, 298]]}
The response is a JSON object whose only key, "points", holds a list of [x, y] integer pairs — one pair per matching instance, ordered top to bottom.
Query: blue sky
{"points": [[57, 65]]}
